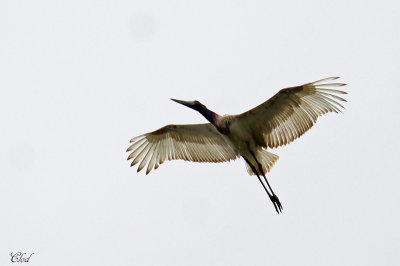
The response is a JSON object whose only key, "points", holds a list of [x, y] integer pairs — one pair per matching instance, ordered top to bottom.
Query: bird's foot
{"points": [[277, 203]]}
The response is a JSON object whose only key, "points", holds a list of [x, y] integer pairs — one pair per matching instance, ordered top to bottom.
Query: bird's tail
{"points": [[266, 159]]}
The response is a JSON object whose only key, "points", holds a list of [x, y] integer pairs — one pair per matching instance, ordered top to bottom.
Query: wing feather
{"points": [[292, 111], [197, 143]]}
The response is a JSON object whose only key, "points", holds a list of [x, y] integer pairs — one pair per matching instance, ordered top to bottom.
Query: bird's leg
{"points": [[273, 197]]}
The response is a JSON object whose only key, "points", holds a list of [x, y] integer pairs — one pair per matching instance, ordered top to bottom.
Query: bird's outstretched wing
{"points": [[292, 111], [196, 142]]}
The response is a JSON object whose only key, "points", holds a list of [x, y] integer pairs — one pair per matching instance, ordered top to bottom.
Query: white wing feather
{"points": [[292, 111], [196, 142]]}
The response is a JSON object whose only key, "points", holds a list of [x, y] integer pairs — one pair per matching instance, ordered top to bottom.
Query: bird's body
{"points": [[276, 122], [239, 136]]}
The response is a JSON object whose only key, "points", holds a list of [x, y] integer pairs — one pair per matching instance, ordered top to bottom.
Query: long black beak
{"points": [[190, 104], [196, 105]]}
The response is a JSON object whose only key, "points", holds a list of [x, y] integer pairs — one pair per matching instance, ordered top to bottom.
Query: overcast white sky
{"points": [[78, 79]]}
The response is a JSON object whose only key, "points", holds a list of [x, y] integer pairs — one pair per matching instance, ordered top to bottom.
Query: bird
{"points": [[274, 123]]}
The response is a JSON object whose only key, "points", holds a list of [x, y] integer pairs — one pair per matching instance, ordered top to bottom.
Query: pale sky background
{"points": [[78, 79]]}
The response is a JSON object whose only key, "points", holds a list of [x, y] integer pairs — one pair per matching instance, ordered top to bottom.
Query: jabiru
{"points": [[276, 122]]}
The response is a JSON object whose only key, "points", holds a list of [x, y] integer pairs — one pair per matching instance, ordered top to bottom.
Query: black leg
{"points": [[273, 197]]}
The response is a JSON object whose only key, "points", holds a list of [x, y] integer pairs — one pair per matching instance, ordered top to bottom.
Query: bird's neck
{"points": [[208, 114]]}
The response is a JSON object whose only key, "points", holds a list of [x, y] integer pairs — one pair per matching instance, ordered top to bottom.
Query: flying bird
{"points": [[276, 122]]}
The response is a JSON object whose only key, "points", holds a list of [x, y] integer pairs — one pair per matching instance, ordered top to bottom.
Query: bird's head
{"points": [[196, 105], [201, 108]]}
